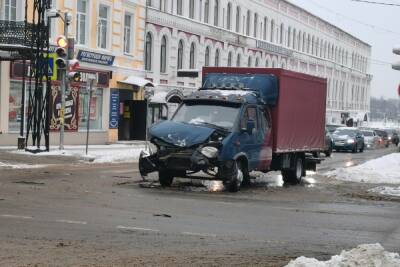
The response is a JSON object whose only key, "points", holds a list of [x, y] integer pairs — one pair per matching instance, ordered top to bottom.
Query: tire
{"points": [[355, 149], [362, 149], [328, 152], [246, 176], [294, 176], [165, 178], [233, 183]]}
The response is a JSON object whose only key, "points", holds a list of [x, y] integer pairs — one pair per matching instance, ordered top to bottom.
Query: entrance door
{"points": [[139, 114], [125, 117]]}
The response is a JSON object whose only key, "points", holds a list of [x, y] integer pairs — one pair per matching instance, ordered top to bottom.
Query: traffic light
{"points": [[61, 51], [74, 76]]}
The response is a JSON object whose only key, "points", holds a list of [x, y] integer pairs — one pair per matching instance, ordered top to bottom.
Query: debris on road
{"points": [[381, 170], [29, 183], [162, 215], [363, 255]]}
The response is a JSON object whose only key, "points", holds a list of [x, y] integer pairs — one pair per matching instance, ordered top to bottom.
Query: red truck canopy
{"points": [[298, 118]]}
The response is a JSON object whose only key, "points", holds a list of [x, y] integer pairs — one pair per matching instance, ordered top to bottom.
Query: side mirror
{"points": [[250, 126]]}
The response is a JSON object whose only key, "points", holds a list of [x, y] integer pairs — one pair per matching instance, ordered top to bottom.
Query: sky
{"points": [[377, 25]]}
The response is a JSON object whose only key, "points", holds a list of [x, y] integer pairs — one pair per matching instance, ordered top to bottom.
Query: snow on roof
{"points": [[138, 81], [230, 92]]}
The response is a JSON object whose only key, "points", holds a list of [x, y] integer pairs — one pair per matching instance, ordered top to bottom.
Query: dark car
{"points": [[332, 127], [384, 136], [393, 136], [348, 139], [328, 143]]}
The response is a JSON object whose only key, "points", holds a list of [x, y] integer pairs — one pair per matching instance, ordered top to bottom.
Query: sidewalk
{"points": [[125, 152]]}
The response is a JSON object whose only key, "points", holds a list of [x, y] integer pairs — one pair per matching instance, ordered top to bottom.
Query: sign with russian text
{"points": [[95, 58], [114, 109]]}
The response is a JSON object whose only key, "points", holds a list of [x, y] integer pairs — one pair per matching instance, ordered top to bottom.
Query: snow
{"points": [[232, 92], [159, 97], [117, 153], [8, 165], [384, 170], [386, 190], [373, 255]]}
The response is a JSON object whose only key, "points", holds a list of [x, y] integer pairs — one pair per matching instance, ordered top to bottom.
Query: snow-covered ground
{"points": [[117, 153], [384, 170], [386, 190], [369, 255]]}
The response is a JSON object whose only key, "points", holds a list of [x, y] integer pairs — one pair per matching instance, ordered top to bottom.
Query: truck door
{"points": [[265, 139], [250, 143]]}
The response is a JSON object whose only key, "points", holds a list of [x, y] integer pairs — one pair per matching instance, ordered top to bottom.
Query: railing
{"points": [[15, 35]]}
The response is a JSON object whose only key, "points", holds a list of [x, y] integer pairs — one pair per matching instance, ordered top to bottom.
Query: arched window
{"points": [[179, 7], [191, 9], [206, 11], [216, 12], [228, 16], [237, 19], [248, 22], [255, 25], [265, 28], [272, 32], [282, 33], [289, 38], [294, 41], [304, 42], [309, 44], [313, 45], [148, 51], [163, 55], [180, 55], [217, 56], [207, 57], [230, 59], [238, 60], [249, 62], [257, 62], [192, 63], [267, 63]]}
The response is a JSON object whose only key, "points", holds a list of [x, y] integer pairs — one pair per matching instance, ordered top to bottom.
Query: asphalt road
{"points": [[74, 214]]}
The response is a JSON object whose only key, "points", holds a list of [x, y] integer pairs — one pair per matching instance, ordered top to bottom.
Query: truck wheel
{"points": [[294, 176], [165, 178], [234, 182]]}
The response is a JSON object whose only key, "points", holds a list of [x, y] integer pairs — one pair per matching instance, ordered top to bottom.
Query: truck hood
{"points": [[181, 134]]}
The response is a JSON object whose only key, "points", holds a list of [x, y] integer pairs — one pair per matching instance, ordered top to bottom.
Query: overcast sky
{"points": [[385, 19]]}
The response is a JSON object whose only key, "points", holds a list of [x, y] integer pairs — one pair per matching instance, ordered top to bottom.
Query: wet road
{"points": [[84, 215]]}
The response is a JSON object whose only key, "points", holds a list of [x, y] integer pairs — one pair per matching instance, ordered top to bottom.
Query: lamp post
{"points": [[396, 66]]}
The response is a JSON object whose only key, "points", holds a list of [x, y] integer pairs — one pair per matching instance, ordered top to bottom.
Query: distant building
{"points": [[190, 34]]}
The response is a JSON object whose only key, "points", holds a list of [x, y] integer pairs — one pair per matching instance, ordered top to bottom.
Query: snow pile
{"points": [[117, 153], [7, 165], [381, 170], [386, 190], [369, 255]]}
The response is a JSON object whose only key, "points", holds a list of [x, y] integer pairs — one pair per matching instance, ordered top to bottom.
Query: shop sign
{"points": [[273, 48], [95, 58], [71, 109], [114, 109]]}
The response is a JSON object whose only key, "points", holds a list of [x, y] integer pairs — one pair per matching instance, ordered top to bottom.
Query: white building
{"points": [[190, 34]]}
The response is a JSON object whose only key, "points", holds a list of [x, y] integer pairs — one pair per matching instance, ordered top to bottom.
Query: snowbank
{"points": [[7, 165], [381, 170], [386, 190], [369, 255]]}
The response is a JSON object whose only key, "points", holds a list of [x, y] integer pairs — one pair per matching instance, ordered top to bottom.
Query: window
{"points": [[163, 5], [179, 7], [191, 9], [10, 10], [206, 11], [216, 12], [228, 16], [237, 19], [81, 21], [248, 23], [255, 25], [265, 28], [102, 30], [272, 31], [282, 33], [128, 34], [289, 39], [148, 51], [163, 55], [180, 55], [207, 57], [230, 59], [238, 60], [249, 62], [257, 62], [192, 63], [216, 63], [96, 108], [249, 115]]}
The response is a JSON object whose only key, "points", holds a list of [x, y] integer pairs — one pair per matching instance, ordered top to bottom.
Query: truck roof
{"points": [[223, 95]]}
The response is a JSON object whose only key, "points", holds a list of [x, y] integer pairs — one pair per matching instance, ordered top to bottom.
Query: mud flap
{"points": [[146, 164]]}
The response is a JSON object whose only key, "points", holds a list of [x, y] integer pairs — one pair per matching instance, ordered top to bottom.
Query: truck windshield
{"points": [[221, 116]]}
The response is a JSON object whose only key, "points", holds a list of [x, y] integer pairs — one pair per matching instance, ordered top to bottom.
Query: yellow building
{"points": [[109, 44]]}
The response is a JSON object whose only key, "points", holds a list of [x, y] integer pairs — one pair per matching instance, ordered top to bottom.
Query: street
{"points": [[70, 213]]}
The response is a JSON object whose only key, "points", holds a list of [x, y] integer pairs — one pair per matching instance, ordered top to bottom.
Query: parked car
{"points": [[332, 127], [384, 136], [393, 136], [348, 139], [371, 139], [328, 143]]}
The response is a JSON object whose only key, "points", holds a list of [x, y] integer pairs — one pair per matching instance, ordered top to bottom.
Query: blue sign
{"points": [[95, 58], [114, 109]]}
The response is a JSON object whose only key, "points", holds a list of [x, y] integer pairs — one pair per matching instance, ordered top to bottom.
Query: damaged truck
{"points": [[241, 120]]}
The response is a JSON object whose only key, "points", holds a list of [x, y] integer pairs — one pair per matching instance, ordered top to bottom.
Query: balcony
{"points": [[15, 39]]}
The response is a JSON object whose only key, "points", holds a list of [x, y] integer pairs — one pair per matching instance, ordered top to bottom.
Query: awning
{"points": [[138, 81]]}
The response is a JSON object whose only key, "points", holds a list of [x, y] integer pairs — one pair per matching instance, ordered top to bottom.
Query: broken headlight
{"points": [[210, 152]]}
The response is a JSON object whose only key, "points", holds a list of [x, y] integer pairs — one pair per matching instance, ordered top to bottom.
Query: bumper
{"points": [[343, 146]]}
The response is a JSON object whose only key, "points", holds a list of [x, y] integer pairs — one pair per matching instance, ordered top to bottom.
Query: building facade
{"points": [[190, 34], [110, 47]]}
